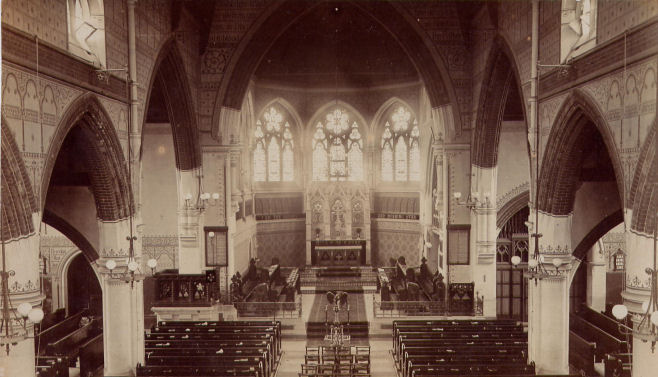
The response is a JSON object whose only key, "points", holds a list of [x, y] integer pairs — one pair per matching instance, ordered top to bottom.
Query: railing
{"points": [[392, 309], [274, 310]]}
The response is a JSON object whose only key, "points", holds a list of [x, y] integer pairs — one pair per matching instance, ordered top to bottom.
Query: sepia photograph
{"points": [[329, 188]]}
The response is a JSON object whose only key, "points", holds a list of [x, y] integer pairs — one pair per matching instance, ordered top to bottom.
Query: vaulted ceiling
{"points": [[336, 43]]}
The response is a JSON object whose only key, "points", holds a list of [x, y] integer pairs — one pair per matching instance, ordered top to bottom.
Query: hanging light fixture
{"points": [[646, 322], [10, 335]]}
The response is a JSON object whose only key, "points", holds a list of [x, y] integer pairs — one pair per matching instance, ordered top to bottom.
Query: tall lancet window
{"points": [[337, 148], [400, 148], [274, 150]]}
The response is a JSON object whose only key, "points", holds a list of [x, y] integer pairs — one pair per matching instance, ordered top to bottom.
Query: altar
{"points": [[338, 224], [338, 253]]}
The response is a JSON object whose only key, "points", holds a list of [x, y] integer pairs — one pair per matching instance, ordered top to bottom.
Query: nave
{"points": [[214, 161]]}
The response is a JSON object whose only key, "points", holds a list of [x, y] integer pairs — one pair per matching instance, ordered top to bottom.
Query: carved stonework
{"points": [[338, 210]]}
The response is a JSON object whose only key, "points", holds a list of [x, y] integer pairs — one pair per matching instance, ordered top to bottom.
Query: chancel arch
{"points": [[276, 20]]}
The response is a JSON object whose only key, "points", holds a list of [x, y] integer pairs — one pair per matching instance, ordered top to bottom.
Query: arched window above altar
{"points": [[400, 147], [337, 148], [273, 154]]}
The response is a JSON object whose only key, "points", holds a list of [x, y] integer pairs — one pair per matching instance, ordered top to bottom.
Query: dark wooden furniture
{"points": [[221, 348]]}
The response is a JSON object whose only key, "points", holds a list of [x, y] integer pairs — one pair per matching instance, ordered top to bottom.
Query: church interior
{"points": [[331, 188]]}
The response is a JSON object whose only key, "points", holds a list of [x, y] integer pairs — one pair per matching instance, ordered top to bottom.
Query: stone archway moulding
{"points": [[500, 73], [169, 74], [87, 112], [557, 176]]}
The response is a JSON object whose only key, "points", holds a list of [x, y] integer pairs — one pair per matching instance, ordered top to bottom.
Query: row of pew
{"points": [[595, 337], [65, 341], [212, 348], [435, 348], [336, 361]]}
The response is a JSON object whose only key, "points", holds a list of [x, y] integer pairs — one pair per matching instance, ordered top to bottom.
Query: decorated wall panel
{"points": [[283, 239], [394, 239]]}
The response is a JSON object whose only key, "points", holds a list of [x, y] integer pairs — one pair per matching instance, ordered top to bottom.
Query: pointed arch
{"points": [[281, 15], [501, 73], [169, 76], [322, 110], [378, 118], [298, 126], [341, 146], [557, 177], [109, 178], [643, 196], [18, 199], [510, 208], [68, 230], [600, 230]]}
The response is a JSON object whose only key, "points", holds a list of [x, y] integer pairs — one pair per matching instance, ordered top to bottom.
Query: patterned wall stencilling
{"points": [[627, 100], [393, 239], [285, 240], [163, 248], [289, 248], [460, 274]]}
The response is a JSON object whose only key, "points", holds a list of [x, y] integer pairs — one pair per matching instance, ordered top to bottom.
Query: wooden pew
{"points": [[51, 319], [601, 321], [59, 330], [605, 342], [69, 345], [581, 354], [91, 356], [257, 362], [617, 365], [52, 366], [196, 371]]}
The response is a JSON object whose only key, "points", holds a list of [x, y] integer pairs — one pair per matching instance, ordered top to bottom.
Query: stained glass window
{"points": [[337, 148], [274, 150], [400, 153]]}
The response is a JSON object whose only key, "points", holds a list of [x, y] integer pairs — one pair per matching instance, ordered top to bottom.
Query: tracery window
{"points": [[337, 148], [274, 150], [400, 154]]}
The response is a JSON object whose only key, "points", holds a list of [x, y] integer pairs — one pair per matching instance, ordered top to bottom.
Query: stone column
{"points": [[483, 231], [190, 249], [639, 257], [22, 264], [596, 278], [548, 296], [123, 311]]}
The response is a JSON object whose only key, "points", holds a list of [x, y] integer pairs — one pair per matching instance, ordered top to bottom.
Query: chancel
{"points": [[344, 188]]}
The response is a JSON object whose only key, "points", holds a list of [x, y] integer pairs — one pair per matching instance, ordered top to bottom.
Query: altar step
{"points": [[348, 279], [356, 330]]}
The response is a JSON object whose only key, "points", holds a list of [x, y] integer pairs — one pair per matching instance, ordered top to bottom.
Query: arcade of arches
{"points": [[408, 148]]}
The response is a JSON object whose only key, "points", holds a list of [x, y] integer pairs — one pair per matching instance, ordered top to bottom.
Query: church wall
{"points": [[614, 17], [628, 117], [513, 174], [594, 202], [75, 205], [159, 212], [395, 238], [283, 239], [244, 248]]}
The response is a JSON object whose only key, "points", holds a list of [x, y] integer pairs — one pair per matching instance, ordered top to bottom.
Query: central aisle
{"points": [[294, 348]]}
